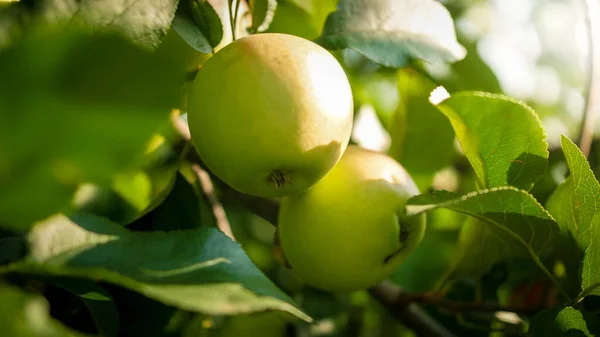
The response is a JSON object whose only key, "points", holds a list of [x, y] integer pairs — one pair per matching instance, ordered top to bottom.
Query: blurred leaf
{"points": [[263, 12], [14, 18], [304, 18], [144, 21], [199, 25], [392, 32], [469, 74], [82, 115], [413, 127], [502, 138], [135, 188], [574, 205], [182, 209], [511, 214], [13, 248], [478, 249], [427, 264], [197, 270], [97, 300], [26, 315], [140, 316], [564, 322]]}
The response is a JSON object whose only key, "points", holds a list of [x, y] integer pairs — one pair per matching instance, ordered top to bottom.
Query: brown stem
{"points": [[209, 191], [394, 299]]}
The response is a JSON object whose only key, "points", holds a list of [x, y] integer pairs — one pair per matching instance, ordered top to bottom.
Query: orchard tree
{"points": [[199, 168]]}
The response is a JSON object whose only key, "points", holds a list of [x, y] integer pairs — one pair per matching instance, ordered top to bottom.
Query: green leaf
{"points": [[263, 12], [144, 21], [199, 25], [392, 32], [82, 115], [413, 125], [502, 137], [575, 204], [181, 209], [511, 214], [478, 249], [426, 265], [197, 270], [97, 300], [26, 315], [564, 322]]}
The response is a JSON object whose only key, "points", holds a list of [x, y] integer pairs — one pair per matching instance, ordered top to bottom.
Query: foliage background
{"points": [[87, 90]]}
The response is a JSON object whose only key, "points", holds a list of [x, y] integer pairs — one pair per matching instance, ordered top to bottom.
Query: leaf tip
{"points": [[438, 95]]}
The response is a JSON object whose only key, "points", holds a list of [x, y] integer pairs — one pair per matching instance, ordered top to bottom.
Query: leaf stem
{"points": [[235, 18], [232, 19], [592, 103], [560, 288], [586, 292]]}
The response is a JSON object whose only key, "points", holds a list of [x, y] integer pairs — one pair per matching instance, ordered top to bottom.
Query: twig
{"points": [[593, 88], [203, 176], [209, 191], [455, 306], [406, 311]]}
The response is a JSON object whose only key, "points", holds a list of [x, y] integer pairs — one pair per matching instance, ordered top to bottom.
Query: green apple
{"points": [[271, 114], [350, 231]]}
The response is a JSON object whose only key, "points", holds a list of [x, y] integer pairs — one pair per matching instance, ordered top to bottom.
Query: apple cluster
{"points": [[271, 115]]}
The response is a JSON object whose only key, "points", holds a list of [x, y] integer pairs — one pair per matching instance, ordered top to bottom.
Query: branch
{"points": [[592, 103], [396, 301], [455, 306]]}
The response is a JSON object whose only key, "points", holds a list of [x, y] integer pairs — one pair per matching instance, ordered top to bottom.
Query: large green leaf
{"points": [[144, 21], [392, 32], [82, 115], [502, 137], [575, 205], [511, 214], [198, 270], [26, 315], [564, 322]]}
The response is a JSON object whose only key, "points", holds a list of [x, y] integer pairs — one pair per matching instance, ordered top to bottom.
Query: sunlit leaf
{"points": [[144, 21], [392, 32], [502, 137], [575, 204], [511, 214], [564, 322]]}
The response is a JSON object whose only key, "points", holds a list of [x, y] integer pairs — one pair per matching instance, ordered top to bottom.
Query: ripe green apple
{"points": [[270, 114], [350, 231]]}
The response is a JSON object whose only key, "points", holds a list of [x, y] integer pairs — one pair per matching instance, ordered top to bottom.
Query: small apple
{"points": [[270, 114], [350, 231]]}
